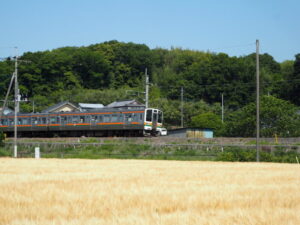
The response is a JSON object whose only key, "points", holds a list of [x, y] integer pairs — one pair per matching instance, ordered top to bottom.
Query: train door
{"points": [[128, 118], [93, 120]]}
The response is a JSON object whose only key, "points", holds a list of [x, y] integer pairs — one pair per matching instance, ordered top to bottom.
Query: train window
{"points": [[149, 115], [141, 116], [128, 117], [159, 117], [69, 118], [106, 118], [114, 118], [64, 119], [75, 119], [82, 119], [34, 120], [43, 120], [54, 120], [19, 121], [26, 121], [4, 122], [11, 122]]}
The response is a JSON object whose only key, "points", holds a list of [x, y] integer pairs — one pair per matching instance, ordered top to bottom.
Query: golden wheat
{"points": [[70, 191]]}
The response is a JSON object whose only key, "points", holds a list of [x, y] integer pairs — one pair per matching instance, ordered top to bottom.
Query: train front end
{"points": [[153, 121]]}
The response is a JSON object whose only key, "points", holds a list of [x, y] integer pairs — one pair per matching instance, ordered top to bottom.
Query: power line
{"points": [[230, 84]]}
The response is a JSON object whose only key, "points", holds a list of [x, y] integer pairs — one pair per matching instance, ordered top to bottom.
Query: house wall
{"points": [[191, 133], [199, 134]]}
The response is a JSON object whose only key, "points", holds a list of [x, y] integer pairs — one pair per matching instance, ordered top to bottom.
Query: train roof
{"points": [[102, 110]]}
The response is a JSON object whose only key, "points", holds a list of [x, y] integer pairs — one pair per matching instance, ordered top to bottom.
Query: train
{"points": [[106, 122]]}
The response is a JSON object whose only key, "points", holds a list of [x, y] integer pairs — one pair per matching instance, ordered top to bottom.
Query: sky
{"points": [[229, 26]]}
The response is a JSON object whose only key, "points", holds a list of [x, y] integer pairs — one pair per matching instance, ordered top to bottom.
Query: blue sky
{"points": [[229, 26]]}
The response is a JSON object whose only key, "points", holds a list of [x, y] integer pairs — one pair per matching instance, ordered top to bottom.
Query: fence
{"points": [[119, 149]]}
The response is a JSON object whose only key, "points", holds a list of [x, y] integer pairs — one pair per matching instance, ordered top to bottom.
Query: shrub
{"points": [[1, 138], [4, 153], [233, 154], [241, 155]]}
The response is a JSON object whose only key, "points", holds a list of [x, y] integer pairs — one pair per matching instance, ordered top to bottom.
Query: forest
{"points": [[113, 70]]}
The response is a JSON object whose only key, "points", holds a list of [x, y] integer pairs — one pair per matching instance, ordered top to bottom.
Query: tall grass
{"points": [[147, 151], [72, 191]]}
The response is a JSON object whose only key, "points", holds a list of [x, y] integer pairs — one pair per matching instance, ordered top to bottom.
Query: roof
{"points": [[124, 103], [58, 105], [90, 106]]}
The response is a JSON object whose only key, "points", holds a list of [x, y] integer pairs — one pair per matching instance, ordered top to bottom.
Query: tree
{"points": [[293, 82], [276, 117], [208, 120], [1, 138]]}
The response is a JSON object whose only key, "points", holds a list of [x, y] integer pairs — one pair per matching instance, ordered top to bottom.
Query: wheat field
{"points": [[74, 191]]}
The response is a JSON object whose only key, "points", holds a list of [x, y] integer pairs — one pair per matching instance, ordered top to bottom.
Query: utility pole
{"points": [[147, 89], [222, 95], [17, 98], [257, 101], [182, 107]]}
